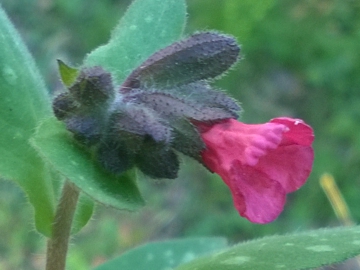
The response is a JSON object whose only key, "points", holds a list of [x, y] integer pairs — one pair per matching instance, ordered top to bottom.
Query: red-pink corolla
{"points": [[260, 163]]}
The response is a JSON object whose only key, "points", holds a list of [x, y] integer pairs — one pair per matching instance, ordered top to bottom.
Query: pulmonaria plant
{"points": [[166, 106]]}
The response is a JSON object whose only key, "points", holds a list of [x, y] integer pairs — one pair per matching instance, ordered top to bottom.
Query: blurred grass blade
{"points": [[147, 26], [24, 101], [336, 199], [296, 251], [164, 255]]}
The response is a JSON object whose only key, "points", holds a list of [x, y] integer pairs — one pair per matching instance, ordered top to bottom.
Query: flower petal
{"points": [[299, 132], [233, 140], [260, 163], [290, 165], [256, 196]]}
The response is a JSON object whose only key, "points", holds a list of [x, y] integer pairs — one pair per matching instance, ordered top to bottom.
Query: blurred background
{"points": [[299, 59]]}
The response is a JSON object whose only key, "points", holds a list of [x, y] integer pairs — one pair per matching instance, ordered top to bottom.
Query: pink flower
{"points": [[260, 163]]}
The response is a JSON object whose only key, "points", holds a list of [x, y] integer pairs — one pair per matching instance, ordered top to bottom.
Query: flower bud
{"points": [[201, 56], [92, 87], [63, 105], [154, 113], [139, 120], [86, 128], [116, 156], [157, 160]]}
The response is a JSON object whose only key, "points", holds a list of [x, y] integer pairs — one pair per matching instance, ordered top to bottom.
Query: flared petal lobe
{"points": [[260, 163]]}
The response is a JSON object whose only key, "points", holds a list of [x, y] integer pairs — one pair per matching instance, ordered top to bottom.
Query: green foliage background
{"points": [[300, 59]]}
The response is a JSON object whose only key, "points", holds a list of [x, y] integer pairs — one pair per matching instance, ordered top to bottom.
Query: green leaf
{"points": [[147, 26], [68, 74], [24, 101], [57, 147], [83, 213], [297, 251], [164, 255]]}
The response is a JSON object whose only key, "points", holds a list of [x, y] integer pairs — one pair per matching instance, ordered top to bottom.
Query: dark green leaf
{"points": [[24, 101], [74, 162], [83, 213], [296, 251]]}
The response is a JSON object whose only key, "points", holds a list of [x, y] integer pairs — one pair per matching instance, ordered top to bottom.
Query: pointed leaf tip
{"points": [[68, 74]]}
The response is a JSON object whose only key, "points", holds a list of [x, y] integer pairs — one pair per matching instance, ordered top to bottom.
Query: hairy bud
{"points": [[199, 57], [92, 86], [64, 105], [151, 117], [140, 120], [86, 128], [157, 160]]}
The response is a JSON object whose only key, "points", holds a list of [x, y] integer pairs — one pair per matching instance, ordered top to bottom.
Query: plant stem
{"points": [[57, 245]]}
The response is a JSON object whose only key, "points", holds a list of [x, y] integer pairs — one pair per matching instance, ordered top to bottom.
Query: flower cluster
{"points": [[166, 106]]}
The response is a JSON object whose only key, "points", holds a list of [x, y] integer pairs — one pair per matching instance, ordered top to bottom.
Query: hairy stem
{"points": [[57, 245]]}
